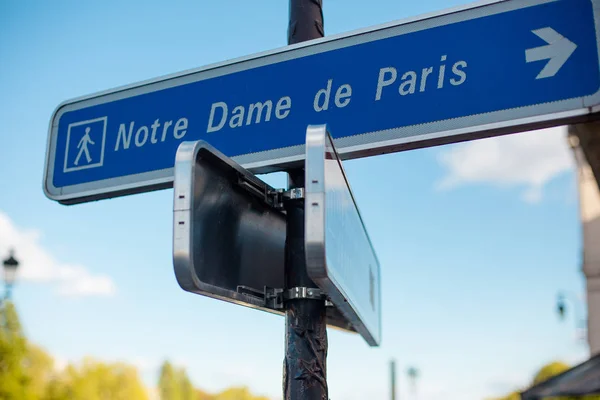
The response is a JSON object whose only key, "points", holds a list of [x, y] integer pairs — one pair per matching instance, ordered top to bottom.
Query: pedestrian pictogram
{"points": [[85, 144]]}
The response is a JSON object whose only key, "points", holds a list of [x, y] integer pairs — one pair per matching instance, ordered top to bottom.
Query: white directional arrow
{"points": [[558, 51]]}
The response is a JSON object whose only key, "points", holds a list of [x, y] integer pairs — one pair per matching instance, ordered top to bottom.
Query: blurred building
{"points": [[585, 142]]}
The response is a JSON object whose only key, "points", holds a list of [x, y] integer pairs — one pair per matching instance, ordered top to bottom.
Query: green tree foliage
{"points": [[39, 367], [25, 369], [548, 371], [27, 372], [94, 380], [14, 381], [168, 384], [174, 384], [59, 387], [187, 389], [236, 393], [202, 395]]}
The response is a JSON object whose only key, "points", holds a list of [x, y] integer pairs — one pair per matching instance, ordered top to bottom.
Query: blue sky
{"points": [[475, 240]]}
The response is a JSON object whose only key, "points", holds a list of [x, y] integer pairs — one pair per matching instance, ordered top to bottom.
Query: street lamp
{"points": [[10, 272], [561, 309], [413, 374]]}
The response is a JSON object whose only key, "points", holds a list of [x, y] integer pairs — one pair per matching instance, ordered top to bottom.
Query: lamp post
{"points": [[10, 273], [561, 309], [413, 374], [393, 379]]}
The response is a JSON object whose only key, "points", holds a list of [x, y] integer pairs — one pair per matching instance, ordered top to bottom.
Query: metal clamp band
{"points": [[293, 194], [303, 293], [274, 298]]}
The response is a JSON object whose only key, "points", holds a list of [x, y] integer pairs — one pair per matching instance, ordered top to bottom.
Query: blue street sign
{"points": [[490, 69]]}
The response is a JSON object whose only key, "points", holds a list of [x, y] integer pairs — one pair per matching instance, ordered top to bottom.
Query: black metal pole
{"points": [[306, 20], [304, 369]]}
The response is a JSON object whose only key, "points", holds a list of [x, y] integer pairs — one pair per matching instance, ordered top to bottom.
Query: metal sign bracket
{"points": [[279, 196], [303, 293], [275, 298]]}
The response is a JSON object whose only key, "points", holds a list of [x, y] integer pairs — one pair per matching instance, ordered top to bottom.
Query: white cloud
{"points": [[527, 160], [37, 265]]}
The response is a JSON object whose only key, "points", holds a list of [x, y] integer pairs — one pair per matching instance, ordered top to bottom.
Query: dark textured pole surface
{"points": [[306, 21], [304, 369], [304, 374]]}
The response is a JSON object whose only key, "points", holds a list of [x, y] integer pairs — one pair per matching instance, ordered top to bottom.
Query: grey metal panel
{"points": [[223, 235], [340, 257]]}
